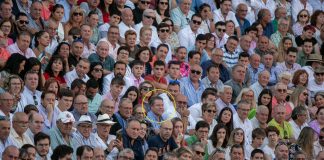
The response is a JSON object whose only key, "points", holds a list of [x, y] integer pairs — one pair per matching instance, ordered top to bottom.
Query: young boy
{"points": [[137, 72], [116, 87], [258, 136], [273, 138]]}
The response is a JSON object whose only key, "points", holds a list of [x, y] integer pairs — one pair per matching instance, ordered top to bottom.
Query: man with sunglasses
{"points": [[141, 6], [224, 13], [20, 24], [188, 34], [163, 36], [317, 83], [191, 86], [279, 97], [198, 151]]}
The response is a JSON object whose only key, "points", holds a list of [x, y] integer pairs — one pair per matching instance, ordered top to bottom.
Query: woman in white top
{"points": [[57, 15], [303, 18], [209, 112], [236, 137], [218, 139]]}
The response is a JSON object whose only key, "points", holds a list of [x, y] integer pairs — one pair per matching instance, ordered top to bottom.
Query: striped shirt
{"points": [[230, 59]]}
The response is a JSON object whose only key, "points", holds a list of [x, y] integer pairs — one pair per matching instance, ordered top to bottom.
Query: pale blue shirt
{"points": [[316, 4], [67, 9], [179, 19], [254, 73], [187, 89], [94, 103], [153, 118]]}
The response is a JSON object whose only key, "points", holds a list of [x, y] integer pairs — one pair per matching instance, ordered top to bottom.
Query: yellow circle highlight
{"points": [[174, 104]]}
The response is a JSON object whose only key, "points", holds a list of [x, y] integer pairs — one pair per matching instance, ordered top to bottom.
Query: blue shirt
{"points": [[67, 7], [246, 24], [268, 30], [108, 62], [254, 73], [224, 74], [187, 89], [153, 118]]}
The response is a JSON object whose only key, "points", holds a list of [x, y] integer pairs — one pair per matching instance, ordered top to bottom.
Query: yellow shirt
{"points": [[286, 132]]}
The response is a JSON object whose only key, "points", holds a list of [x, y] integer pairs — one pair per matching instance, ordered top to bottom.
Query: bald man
{"points": [[263, 80], [6, 104], [19, 128], [10, 153]]}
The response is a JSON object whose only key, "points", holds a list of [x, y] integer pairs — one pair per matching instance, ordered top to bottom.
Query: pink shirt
{"points": [[14, 49]]}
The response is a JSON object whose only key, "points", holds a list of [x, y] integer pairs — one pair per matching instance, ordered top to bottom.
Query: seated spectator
{"points": [[181, 15], [22, 45], [102, 55], [80, 72], [157, 78], [237, 80], [317, 83], [116, 87], [208, 96], [80, 108], [125, 109], [35, 125], [19, 128], [258, 136], [273, 137], [130, 138], [42, 144], [62, 151], [10, 152], [84, 152]]}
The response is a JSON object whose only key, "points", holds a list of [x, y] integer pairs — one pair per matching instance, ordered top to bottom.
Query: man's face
{"points": [[93, 3], [144, 4], [185, 6], [225, 7], [36, 10], [5, 11], [242, 11], [205, 12], [127, 17], [148, 19], [93, 20], [22, 23], [195, 23], [283, 26], [51, 29], [220, 31], [86, 32], [164, 33], [113, 35], [131, 40], [23, 42], [245, 43], [263, 44], [200, 45], [231, 45], [308, 48], [77, 49], [103, 50], [162, 53], [181, 54], [123, 56], [217, 57], [291, 58], [268, 60], [244, 61], [255, 61], [82, 68], [120, 70], [138, 70], [158, 71], [174, 71], [195, 73], [239, 74], [319, 77], [264, 79], [31, 81], [116, 89], [174, 90], [91, 92], [281, 92], [227, 95], [209, 99], [48, 100], [6, 102], [65, 102], [81, 104], [158, 107], [126, 110], [243, 111], [280, 114], [262, 116], [21, 124], [36, 125], [65, 128], [85, 129], [103, 129], [133, 129], [4, 130], [166, 131], [202, 134], [273, 137], [257, 141], [42, 147], [281, 152], [31, 153], [199, 153], [12, 154], [99, 154], [237, 154], [87, 155], [151, 155], [219, 156], [257, 156]]}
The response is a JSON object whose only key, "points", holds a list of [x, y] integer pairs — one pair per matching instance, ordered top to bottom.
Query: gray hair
{"points": [[223, 89], [124, 152]]}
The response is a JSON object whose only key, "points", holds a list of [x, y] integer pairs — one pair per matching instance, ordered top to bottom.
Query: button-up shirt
{"points": [[257, 5], [317, 5], [67, 8], [218, 16], [179, 18], [123, 28], [187, 37], [13, 48], [230, 58], [108, 62], [281, 67], [254, 73], [72, 75], [107, 80], [206, 82], [236, 87], [187, 89], [257, 89], [30, 97], [94, 103], [221, 105], [169, 108], [195, 110], [154, 119], [47, 124], [246, 125], [58, 139], [79, 140], [19, 141], [5, 144], [104, 145]]}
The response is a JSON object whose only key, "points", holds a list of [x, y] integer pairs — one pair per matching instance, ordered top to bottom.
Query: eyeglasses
{"points": [[145, 2], [164, 3], [77, 14], [303, 15], [149, 17], [22, 22], [196, 22], [164, 30], [221, 30], [76, 36], [98, 70], [195, 72], [319, 74], [147, 88], [282, 90], [305, 94], [35, 100], [182, 102], [81, 103], [244, 110], [211, 111], [321, 137], [201, 153]]}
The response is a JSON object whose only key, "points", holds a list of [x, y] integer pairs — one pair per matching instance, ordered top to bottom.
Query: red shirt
{"points": [[153, 78], [60, 79]]}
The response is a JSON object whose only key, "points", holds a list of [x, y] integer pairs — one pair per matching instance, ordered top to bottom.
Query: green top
{"points": [[252, 113], [287, 131], [193, 139]]}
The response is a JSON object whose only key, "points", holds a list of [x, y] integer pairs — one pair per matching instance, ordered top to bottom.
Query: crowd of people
{"points": [[161, 80]]}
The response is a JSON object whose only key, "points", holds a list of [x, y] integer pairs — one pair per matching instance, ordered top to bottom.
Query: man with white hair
{"points": [[181, 15], [147, 20], [126, 22], [102, 55], [263, 80], [225, 97], [261, 118], [126, 154]]}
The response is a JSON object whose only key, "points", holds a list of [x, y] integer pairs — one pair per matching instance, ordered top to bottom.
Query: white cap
{"points": [[66, 117]]}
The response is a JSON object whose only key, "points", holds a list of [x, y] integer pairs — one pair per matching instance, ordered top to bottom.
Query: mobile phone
{"points": [[119, 135]]}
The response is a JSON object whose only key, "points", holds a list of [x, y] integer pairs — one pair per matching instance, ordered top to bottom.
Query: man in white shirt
{"points": [[224, 14], [181, 15], [147, 20], [126, 23], [188, 34], [119, 70], [80, 72], [263, 80], [317, 84], [30, 95], [208, 96], [225, 98], [169, 100], [6, 105], [261, 118], [240, 120], [35, 125], [19, 128], [5, 140]]}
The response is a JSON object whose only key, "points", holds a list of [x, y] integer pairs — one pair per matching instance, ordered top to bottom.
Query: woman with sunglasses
{"points": [[162, 11], [76, 20], [302, 20], [173, 39], [56, 69], [96, 73], [146, 91], [300, 97], [209, 112], [237, 137]]}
